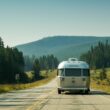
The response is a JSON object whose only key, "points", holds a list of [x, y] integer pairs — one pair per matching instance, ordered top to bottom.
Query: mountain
{"points": [[62, 47]]}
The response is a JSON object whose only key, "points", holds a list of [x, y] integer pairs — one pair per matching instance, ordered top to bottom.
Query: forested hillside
{"points": [[62, 47]]}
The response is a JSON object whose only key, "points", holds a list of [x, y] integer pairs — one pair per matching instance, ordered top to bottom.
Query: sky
{"points": [[23, 21]]}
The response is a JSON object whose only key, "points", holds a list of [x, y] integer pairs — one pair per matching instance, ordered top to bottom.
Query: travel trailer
{"points": [[73, 75]]}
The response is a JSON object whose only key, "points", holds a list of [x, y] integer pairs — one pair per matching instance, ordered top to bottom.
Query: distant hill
{"points": [[62, 47]]}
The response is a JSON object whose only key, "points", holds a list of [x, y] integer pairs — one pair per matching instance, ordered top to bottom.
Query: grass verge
{"points": [[98, 84], [9, 87], [102, 87]]}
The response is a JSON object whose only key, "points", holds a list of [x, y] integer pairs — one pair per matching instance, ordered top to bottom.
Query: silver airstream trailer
{"points": [[73, 75]]}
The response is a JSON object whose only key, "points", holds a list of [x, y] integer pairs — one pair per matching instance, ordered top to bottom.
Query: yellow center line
{"points": [[44, 99]]}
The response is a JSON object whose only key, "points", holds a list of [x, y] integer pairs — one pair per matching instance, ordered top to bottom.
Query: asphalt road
{"points": [[46, 98]]}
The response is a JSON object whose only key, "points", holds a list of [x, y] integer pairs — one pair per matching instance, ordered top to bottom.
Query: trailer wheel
{"points": [[59, 91]]}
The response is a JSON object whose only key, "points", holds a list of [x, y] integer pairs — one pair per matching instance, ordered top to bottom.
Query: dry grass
{"points": [[98, 84], [10, 87]]}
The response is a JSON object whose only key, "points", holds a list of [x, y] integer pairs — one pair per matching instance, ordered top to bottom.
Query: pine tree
{"points": [[1, 43], [98, 56], [2, 60], [11, 63], [36, 68]]}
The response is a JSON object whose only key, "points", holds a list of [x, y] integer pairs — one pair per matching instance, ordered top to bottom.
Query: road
{"points": [[46, 98]]}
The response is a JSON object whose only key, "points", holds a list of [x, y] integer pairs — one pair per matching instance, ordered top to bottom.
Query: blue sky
{"points": [[23, 21]]}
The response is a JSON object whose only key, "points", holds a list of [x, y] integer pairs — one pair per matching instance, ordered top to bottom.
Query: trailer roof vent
{"points": [[72, 59]]}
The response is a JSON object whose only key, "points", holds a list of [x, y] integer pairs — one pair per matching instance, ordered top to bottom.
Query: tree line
{"points": [[98, 57], [45, 62], [49, 62], [11, 64]]}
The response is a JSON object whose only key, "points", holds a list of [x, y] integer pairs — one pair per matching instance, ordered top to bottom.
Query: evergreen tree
{"points": [[1, 43], [98, 56], [2, 60], [48, 62], [11, 63], [28, 63], [36, 68]]}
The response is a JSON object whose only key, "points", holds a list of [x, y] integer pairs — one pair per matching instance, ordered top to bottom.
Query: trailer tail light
{"points": [[62, 78], [84, 79]]}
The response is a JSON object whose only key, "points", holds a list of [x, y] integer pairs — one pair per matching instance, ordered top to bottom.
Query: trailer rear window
{"points": [[72, 72]]}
